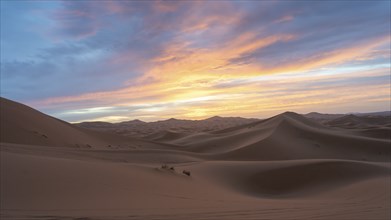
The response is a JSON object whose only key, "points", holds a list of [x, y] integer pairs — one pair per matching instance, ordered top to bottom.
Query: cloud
{"points": [[321, 29], [192, 54], [264, 96]]}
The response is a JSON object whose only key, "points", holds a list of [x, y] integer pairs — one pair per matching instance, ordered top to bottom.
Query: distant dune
{"points": [[321, 117], [363, 121], [137, 128], [286, 167]]}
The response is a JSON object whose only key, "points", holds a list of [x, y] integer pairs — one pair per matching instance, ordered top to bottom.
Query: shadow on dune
{"points": [[291, 179]]}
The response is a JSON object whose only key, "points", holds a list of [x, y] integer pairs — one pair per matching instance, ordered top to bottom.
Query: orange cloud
{"points": [[189, 78]]}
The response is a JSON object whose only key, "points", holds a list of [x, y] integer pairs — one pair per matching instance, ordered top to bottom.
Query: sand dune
{"points": [[321, 117], [354, 121], [24, 125], [372, 125], [137, 128], [166, 136], [287, 136], [285, 167], [289, 179]]}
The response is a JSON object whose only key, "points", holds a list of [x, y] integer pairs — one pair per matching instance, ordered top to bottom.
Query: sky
{"points": [[152, 60]]}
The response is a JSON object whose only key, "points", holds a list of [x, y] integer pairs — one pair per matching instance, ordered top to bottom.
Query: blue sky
{"points": [[120, 60]]}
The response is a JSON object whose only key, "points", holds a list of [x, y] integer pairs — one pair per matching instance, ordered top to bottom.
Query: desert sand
{"points": [[284, 167]]}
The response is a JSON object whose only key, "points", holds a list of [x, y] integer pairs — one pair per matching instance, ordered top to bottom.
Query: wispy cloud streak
{"points": [[194, 59]]}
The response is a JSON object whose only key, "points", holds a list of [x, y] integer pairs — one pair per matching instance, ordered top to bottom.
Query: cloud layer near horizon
{"points": [[119, 60]]}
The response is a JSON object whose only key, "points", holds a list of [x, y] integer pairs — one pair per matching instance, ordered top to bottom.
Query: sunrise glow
{"points": [[122, 60]]}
